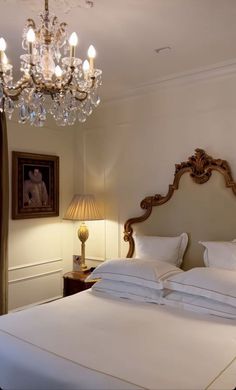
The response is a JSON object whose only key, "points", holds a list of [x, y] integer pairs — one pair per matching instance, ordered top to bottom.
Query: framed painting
{"points": [[35, 185]]}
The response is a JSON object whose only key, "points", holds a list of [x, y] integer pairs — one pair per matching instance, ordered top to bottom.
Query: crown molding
{"points": [[218, 70]]}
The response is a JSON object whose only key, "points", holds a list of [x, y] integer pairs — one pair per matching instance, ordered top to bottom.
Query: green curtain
{"points": [[4, 214]]}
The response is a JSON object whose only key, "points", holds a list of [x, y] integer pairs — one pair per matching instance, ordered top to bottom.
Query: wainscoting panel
{"points": [[35, 283]]}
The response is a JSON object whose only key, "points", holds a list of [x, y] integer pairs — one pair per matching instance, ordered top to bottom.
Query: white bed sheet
{"points": [[91, 341]]}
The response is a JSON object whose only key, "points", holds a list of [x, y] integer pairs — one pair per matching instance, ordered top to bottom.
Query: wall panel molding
{"points": [[101, 259], [35, 264], [35, 276]]}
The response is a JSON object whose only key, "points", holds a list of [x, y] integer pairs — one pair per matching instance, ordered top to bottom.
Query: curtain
{"points": [[4, 214]]}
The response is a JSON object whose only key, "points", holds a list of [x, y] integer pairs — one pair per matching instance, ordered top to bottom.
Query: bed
{"points": [[125, 332]]}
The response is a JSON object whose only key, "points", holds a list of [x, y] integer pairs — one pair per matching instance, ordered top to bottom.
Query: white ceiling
{"points": [[126, 32]]}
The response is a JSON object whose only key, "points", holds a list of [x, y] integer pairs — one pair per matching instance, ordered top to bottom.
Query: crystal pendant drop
{"points": [[95, 99], [9, 107], [87, 107], [42, 112], [23, 113], [32, 116], [65, 116], [72, 117], [81, 117], [38, 122], [60, 122]]}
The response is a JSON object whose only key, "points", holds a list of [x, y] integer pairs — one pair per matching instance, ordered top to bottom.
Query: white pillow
{"points": [[169, 249], [220, 254], [147, 273], [213, 283], [128, 291], [198, 304]]}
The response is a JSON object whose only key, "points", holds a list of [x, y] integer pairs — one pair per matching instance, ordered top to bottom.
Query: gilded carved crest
{"points": [[200, 167]]}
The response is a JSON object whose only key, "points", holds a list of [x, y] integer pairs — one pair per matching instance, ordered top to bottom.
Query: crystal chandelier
{"points": [[54, 80]]}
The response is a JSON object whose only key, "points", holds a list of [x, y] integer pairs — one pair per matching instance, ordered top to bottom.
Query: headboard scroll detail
{"points": [[200, 167]]}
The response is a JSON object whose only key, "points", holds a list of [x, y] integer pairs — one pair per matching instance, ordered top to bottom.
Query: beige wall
{"points": [[132, 144], [127, 150], [40, 249]]}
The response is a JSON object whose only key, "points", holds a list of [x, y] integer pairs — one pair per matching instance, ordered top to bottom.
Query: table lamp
{"points": [[83, 208]]}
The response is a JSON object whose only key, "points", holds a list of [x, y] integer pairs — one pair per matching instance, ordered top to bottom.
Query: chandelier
{"points": [[54, 80]]}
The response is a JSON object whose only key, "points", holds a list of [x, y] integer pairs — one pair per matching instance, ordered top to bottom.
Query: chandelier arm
{"points": [[55, 19], [31, 23], [63, 26], [1, 77], [35, 81], [93, 81], [68, 82], [22, 83], [39, 84], [16, 91], [84, 92], [11, 96], [82, 99]]}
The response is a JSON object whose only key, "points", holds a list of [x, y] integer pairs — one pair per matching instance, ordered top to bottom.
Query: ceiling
{"points": [[127, 32]]}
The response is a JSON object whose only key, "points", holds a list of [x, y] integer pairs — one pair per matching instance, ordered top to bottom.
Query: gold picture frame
{"points": [[35, 185]]}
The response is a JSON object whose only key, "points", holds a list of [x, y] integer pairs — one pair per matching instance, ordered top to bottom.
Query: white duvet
{"points": [[91, 341]]}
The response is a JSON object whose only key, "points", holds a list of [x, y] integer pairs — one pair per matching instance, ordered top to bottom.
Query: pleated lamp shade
{"points": [[83, 208]]}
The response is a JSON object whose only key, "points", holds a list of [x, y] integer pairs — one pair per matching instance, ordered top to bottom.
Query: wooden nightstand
{"points": [[74, 282]]}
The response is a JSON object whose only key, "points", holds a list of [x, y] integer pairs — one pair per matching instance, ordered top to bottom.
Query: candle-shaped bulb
{"points": [[30, 35], [73, 40], [3, 44], [91, 52], [91, 55], [4, 59], [86, 66], [58, 71]]}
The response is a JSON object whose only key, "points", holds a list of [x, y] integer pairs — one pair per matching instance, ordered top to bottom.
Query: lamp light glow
{"points": [[30, 35], [73, 40], [3, 44], [91, 52], [91, 55], [4, 59], [86, 66], [58, 71], [83, 208]]}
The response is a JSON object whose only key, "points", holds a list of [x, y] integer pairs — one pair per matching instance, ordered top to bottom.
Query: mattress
{"points": [[93, 341]]}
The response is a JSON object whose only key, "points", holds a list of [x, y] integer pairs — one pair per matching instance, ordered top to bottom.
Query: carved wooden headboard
{"points": [[205, 212]]}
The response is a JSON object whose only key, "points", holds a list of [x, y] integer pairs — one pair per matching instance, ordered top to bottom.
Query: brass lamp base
{"points": [[83, 235], [83, 267]]}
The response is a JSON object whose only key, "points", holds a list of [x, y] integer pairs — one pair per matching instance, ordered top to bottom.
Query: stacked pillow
{"points": [[154, 276], [137, 279], [141, 279], [211, 289], [206, 290]]}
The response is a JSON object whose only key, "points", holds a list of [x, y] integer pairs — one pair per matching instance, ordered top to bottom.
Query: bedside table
{"points": [[74, 282]]}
